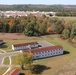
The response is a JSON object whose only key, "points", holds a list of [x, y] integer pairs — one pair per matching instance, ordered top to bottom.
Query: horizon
{"points": [[37, 2]]}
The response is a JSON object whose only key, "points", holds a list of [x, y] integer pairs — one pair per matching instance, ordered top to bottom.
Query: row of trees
{"points": [[30, 7], [10, 25], [31, 25], [36, 26]]}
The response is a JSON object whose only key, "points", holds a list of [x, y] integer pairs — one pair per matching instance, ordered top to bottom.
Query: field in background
{"points": [[68, 18]]}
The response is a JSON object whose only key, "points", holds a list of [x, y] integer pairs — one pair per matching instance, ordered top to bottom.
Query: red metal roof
{"points": [[25, 44], [43, 49], [14, 72]]}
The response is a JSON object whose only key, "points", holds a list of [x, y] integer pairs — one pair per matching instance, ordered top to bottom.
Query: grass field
{"points": [[68, 18], [13, 60], [6, 61], [55, 63], [2, 70]]}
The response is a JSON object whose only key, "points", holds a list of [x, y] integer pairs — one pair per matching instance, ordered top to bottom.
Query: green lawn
{"points": [[68, 18], [75, 41], [1, 52], [13, 60], [6, 61], [54, 63], [2, 70]]}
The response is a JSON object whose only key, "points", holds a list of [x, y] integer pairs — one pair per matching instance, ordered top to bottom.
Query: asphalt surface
{"points": [[45, 44], [7, 55]]}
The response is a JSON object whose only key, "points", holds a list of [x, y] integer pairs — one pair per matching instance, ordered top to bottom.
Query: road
{"points": [[7, 55]]}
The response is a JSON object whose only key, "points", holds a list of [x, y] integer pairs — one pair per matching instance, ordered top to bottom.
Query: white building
{"points": [[25, 46], [45, 51]]}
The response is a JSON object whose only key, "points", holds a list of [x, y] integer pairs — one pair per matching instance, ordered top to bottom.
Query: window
{"points": [[48, 51], [42, 52], [56, 52], [53, 53], [42, 55]]}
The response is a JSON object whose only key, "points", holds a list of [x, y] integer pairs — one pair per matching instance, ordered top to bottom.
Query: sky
{"points": [[47, 2]]}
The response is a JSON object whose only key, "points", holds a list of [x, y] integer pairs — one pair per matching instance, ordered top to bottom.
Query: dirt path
{"points": [[13, 36]]}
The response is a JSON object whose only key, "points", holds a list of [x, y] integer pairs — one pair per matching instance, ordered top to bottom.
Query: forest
{"points": [[31, 7], [37, 26]]}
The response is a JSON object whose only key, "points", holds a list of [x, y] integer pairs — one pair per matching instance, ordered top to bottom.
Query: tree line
{"points": [[30, 7], [36, 26]]}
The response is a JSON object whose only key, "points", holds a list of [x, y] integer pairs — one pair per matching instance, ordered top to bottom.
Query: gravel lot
{"points": [[45, 44]]}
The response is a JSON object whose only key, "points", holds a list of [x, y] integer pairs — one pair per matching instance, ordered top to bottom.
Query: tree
{"points": [[11, 21], [58, 25], [1, 26], [14, 27], [5, 28], [43, 29], [29, 30], [73, 31], [66, 33], [24, 60]]}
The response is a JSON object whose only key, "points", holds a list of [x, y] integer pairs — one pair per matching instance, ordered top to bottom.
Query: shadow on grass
{"points": [[3, 45], [66, 52], [38, 69], [21, 74]]}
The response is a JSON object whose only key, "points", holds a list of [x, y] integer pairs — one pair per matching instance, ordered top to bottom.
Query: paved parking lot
{"points": [[45, 44]]}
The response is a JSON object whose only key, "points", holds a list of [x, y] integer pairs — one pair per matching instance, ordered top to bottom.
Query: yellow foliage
{"points": [[11, 21], [67, 22], [48, 29]]}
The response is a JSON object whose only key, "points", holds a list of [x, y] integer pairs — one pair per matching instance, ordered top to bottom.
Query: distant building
{"points": [[24, 13], [1, 42], [25, 46], [45, 51], [14, 72]]}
